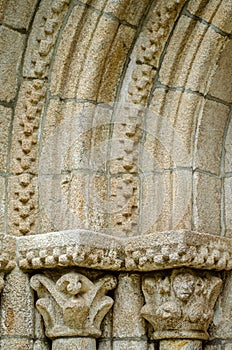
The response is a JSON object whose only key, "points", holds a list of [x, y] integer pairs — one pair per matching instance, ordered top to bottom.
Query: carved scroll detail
{"points": [[180, 304], [73, 305]]}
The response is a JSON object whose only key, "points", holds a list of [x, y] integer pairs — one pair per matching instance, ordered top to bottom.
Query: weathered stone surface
{"points": [[130, 11], [214, 11], [18, 14], [42, 38], [11, 44], [84, 56], [114, 63], [192, 65], [220, 86], [174, 113], [5, 120], [67, 137], [209, 139], [228, 149], [62, 167], [62, 202], [2, 203], [207, 203], [157, 204], [169, 204], [228, 206], [70, 248], [175, 249], [156, 251], [7, 252], [128, 302], [180, 304], [73, 305], [17, 307], [222, 326], [41, 342], [17, 344], [74, 344], [41, 345], [104, 345], [129, 345], [180, 345], [212, 347]]}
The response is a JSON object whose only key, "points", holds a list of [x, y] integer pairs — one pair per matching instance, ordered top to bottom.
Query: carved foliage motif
{"points": [[73, 305], [180, 305]]}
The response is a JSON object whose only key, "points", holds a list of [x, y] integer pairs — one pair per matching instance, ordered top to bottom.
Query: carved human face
{"points": [[184, 285]]}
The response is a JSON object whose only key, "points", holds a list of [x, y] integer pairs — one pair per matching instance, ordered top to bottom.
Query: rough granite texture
{"points": [[115, 175]]}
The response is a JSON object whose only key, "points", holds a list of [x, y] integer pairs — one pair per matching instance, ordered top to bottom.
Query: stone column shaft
{"points": [[128, 326], [75, 343], [180, 344]]}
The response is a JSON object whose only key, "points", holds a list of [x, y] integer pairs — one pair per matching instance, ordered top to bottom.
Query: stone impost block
{"points": [[70, 248], [170, 249], [157, 251]]}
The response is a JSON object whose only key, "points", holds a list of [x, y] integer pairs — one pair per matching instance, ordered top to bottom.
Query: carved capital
{"points": [[179, 304], [73, 305]]}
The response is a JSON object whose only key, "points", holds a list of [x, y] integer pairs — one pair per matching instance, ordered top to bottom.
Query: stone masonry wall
{"points": [[115, 174]]}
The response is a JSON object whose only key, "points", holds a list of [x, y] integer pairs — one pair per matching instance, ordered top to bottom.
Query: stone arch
{"points": [[153, 78], [114, 99]]}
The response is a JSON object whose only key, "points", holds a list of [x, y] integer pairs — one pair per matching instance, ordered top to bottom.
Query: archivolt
{"points": [[112, 73]]}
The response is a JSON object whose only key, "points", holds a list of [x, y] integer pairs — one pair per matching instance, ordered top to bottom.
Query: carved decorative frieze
{"points": [[156, 31], [45, 39], [135, 94], [25, 159], [70, 248], [171, 249], [157, 251], [180, 304], [73, 305]]}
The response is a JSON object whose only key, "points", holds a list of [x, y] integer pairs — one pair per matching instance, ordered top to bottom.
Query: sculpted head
{"points": [[184, 285]]}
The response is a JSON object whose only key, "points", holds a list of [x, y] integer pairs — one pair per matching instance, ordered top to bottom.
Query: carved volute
{"points": [[73, 305]]}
